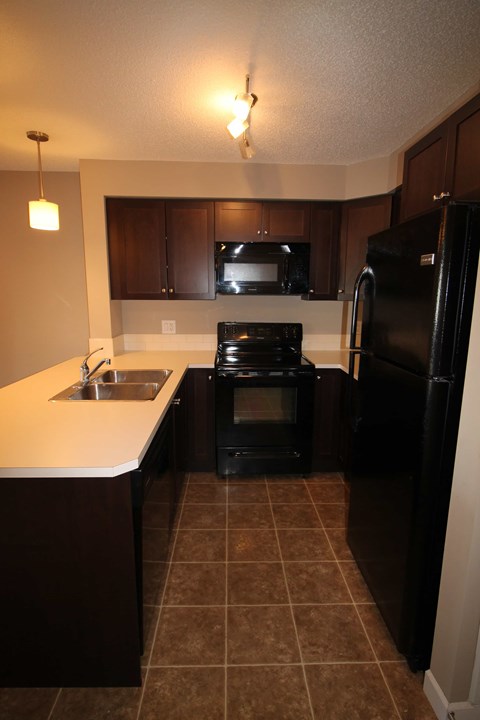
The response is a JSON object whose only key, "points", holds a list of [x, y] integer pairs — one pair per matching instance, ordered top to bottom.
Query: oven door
{"points": [[264, 420]]}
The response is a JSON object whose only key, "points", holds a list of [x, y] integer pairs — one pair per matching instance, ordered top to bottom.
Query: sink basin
{"points": [[133, 376], [118, 385], [116, 391]]}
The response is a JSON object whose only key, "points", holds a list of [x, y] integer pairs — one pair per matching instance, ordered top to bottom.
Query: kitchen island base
{"points": [[68, 600]]}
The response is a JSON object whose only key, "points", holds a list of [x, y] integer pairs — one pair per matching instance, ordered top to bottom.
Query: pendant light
{"points": [[43, 214]]}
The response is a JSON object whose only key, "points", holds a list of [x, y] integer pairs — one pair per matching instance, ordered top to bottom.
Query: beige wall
{"points": [[43, 302]]}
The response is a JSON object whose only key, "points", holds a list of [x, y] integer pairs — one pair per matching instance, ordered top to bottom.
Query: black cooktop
{"points": [[260, 345]]}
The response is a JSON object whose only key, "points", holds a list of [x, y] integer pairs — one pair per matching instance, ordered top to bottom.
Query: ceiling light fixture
{"points": [[238, 127], [43, 215]]}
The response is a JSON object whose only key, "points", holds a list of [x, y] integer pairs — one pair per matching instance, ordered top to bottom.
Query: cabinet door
{"points": [[465, 165], [424, 171], [360, 219], [237, 221], [286, 222], [324, 230], [137, 249], [190, 250], [200, 403], [328, 420], [180, 447]]}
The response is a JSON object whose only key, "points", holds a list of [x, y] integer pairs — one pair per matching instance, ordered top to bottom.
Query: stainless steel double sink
{"points": [[118, 385]]}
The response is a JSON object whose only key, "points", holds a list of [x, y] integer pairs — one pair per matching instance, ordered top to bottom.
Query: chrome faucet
{"points": [[85, 372]]}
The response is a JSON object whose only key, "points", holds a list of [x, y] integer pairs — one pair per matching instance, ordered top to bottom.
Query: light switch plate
{"points": [[169, 327]]}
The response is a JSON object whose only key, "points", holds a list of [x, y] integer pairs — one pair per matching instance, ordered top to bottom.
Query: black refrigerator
{"points": [[405, 393]]}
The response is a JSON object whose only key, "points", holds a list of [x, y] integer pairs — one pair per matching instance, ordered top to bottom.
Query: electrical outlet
{"points": [[169, 327]]}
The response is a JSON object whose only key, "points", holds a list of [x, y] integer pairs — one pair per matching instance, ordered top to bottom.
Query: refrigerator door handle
{"points": [[365, 273]]}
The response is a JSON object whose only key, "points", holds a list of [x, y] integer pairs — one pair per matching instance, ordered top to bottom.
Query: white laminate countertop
{"points": [[39, 438]]}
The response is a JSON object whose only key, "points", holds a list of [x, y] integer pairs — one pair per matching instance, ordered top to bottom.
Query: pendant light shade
{"points": [[43, 215]]}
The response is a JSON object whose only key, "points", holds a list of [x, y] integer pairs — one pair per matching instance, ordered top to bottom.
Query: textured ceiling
{"points": [[338, 81]]}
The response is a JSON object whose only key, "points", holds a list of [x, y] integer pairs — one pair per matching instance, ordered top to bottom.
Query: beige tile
{"points": [[316, 582], [256, 583], [196, 584], [331, 633], [261, 635], [190, 636], [407, 691], [349, 692], [196, 693], [267, 693]]}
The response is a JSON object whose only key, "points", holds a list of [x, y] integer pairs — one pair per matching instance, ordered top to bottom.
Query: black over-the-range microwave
{"points": [[262, 268]]}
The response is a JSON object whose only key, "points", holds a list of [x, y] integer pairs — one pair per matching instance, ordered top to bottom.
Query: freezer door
{"points": [[416, 267], [399, 493]]}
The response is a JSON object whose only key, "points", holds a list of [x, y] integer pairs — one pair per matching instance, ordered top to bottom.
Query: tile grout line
{"points": [[171, 551], [376, 660], [302, 664], [57, 698]]}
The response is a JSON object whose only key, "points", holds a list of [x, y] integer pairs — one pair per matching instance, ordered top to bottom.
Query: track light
{"points": [[242, 106], [43, 214]]}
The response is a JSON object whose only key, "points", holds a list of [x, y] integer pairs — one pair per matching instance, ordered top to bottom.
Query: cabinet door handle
{"points": [[441, 196], [258, 232], [265, 232], [164, 290], [170, 290], [311, 290], [340, 291], [209, 377], [176, 401]]}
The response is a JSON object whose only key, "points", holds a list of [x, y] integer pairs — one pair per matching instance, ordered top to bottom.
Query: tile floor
{"points": [[263, 616]]}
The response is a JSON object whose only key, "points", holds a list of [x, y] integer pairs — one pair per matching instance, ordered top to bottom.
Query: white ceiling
{"points": [[338, 81]]}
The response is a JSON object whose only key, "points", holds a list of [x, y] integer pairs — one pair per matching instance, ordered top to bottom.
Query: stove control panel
{"points": [[259, 332]]}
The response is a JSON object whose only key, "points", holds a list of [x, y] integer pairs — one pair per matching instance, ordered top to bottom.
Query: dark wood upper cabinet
{"points": [[445, 164], [465, 164], [360, 219], [238, 221], [274, 221], [286, 222], [324, 232], [137, 248], [160, 249], [190, 250]]}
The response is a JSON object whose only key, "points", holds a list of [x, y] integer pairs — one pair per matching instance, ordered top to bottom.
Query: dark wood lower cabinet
{"points": [[328, 433], [199, 447], [68, 601]]}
